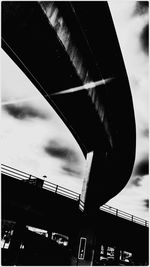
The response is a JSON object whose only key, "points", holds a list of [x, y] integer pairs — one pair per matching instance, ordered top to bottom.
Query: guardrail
{"points": [[20, 175], [34, 180], [124, 215]]}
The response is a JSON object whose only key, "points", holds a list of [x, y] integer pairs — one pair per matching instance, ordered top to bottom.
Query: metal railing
{"points": [[20, 175], [32, 179], [124, 215]]}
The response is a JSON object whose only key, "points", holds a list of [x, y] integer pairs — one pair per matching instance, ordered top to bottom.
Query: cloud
{"points": [[141, 7], [144, 38], [22, 112], [145, 132], [56, 149], [71, 162], [142, 168], [71, 171], [136, 181], [146, 203]]}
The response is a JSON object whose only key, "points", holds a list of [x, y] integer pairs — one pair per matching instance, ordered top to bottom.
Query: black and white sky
{"points": [[35, 140]]}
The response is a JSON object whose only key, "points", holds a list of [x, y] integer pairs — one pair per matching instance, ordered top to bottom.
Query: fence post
{"points": [[56, 189], [79, 200], [116, 212], [132, 218]]}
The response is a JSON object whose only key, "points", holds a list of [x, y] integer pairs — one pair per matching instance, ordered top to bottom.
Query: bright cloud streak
{"points": [[86, 86]]}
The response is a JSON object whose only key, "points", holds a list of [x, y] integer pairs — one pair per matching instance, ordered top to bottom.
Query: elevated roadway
{"points": [[58, 47]]}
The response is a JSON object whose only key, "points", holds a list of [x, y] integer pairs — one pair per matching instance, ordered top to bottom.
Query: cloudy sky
{"points": [[131, 22], [35, 140]]}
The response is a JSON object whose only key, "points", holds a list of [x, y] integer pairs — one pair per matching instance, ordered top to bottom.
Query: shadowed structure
{"points": [[61, 45]]}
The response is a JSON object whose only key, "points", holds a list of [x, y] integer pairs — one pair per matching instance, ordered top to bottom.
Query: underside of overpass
{"points": [[71, 51]]}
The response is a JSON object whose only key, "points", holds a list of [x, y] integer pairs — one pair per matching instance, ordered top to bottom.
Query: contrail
{"points": [[86, 86], [15, 101]]}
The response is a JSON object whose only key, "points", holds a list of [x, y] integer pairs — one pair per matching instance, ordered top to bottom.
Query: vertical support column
{"points": [[86, 241], [105, 250], [86, 251], [97, 251], [117, 254]]}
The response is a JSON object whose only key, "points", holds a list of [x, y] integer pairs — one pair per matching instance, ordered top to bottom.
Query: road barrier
{"points": [[57, 189]]}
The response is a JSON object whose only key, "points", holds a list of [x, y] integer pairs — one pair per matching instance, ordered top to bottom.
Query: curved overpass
{"points": [[102, 118]]}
